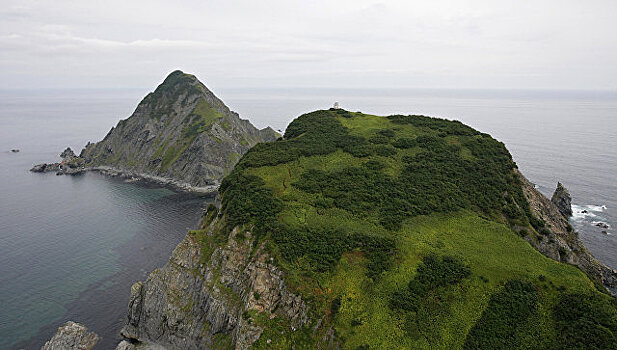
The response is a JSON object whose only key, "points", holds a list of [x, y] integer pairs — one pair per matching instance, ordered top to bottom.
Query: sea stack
{"points": [[561, 198], [72, 336]]}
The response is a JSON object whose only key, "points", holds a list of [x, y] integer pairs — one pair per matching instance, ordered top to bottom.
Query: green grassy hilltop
{"points": [[404, 232]]}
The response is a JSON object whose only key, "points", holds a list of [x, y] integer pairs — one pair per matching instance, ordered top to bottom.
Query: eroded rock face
{"points": [[180, 131], [561, 198], [562, 242], [202, 295], [72, 336]]}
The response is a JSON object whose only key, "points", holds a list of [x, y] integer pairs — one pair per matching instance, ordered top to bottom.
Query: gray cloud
{"points": [[441, 43]]}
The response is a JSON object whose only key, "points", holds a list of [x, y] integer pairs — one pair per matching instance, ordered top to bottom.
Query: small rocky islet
{"points": [[180, 135], [70, 165], [354, 231]]}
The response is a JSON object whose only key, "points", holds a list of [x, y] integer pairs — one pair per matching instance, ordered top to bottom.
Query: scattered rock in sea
{"points": [[561, 198], [584, 212], [602, 225], [605, 232], [72, 336]]}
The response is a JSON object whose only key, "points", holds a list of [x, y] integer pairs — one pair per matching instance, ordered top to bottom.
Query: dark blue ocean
{"points": [[70, 247]]}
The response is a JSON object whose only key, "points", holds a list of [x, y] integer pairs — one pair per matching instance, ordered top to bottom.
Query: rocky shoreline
{"points": [[73, 165], [175, 185]]}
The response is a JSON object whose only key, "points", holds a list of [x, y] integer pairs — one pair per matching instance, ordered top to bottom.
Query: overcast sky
{"points": [[229, 44]]}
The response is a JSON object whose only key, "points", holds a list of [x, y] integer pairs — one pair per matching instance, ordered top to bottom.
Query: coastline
{"points": [[175, 185]]}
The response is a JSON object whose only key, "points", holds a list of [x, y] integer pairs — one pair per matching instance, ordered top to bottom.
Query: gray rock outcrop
{"points": [[181, 131], [67, 153], [70, 165], [45, 167], [561, 198], [560, 242], [205, 294], [72, 336]]}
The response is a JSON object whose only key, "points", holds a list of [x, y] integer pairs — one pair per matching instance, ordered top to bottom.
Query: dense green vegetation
{"points": [[401, 231], [432, 273], [586, 321], [500, 325]]}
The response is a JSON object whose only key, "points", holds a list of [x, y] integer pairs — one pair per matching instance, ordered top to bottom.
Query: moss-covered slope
{"points": [[181, 131], [407, 232]]}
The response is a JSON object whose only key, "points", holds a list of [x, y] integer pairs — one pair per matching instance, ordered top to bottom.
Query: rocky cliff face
{"points": [[180, 131], [561, 198], [559, 241], [207, 297]]}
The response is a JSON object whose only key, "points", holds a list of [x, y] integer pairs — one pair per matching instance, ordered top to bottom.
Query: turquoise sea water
{"points": [[70, 247]]}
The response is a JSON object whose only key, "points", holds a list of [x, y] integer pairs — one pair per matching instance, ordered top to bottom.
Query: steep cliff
{"points": [[181, 131], [359, 232], [559, 241], [209, 291]]}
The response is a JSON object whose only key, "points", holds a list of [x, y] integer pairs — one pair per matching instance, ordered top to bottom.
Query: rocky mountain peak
{"points": [[181, 89], [180, 131]]}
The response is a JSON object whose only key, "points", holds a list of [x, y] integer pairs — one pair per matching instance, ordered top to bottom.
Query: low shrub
{"points": [[507, 310]]}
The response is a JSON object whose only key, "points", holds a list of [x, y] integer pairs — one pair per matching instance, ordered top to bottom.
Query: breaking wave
{"points": [[580, 212]]}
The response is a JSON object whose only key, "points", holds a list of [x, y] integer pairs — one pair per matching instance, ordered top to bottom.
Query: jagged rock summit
{"points": [[181, 131], [67, 153], [561, 198]]}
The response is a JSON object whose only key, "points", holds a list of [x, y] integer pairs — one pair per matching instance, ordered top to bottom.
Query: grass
{"points": [[351, 207], [490, 249]]}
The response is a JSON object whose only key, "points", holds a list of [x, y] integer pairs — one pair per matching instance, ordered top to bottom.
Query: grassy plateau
{"points": [[399, 233]]}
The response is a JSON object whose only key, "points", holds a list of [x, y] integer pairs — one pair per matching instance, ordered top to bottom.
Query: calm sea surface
{"points": [[70, 247]]}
